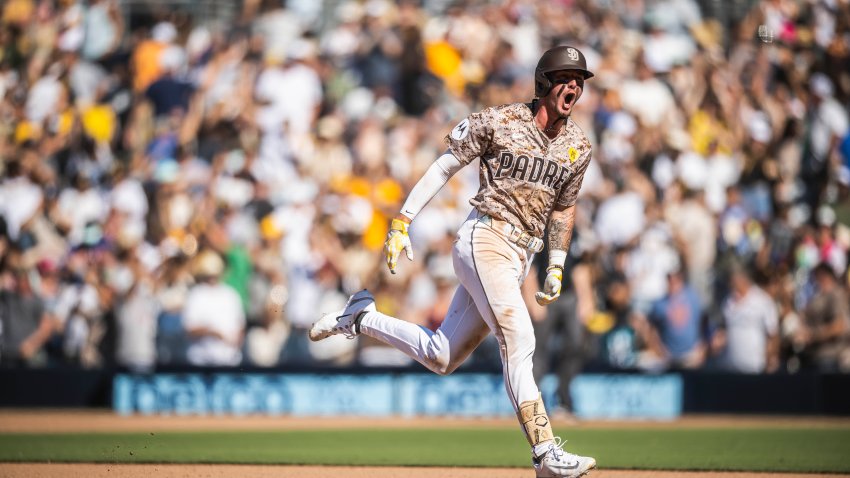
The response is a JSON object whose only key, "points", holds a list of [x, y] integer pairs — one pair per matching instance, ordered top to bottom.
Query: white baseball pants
{"points": [[490, 270]]}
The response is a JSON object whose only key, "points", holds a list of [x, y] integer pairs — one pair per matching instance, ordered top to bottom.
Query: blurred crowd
{"points": [[176, 192]]}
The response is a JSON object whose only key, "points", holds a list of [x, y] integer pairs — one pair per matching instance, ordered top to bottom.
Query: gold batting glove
{"points": [[397, 240], [551, 287]]}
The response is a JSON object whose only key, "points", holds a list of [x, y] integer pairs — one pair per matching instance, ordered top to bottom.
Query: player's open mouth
{"points": [[568, 99]]}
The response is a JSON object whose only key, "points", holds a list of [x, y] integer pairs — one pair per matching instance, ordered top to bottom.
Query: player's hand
{"points": [[397, 240], [551, 287]]}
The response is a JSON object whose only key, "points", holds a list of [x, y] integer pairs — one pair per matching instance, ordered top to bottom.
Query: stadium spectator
{"points": [[103, 26], [146, 58], [168, 93], [828, 126], [21, 198], [694, 230], [649, 262], [173, 281], [268, 296], [136, 308], [80, 310], [213, 316], [676, 324], [25, 325], [822, 337], [747, 340], [264, 342], [620, 345]]}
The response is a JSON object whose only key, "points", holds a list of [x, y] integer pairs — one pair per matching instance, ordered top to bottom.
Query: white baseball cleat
{"points": [[345, 321], [557, 463]]}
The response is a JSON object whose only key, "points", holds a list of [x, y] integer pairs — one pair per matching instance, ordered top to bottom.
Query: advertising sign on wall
{"points": [[467, 395]]}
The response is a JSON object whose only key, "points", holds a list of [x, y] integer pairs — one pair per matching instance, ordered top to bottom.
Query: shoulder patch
{"points": [[461, 130]]}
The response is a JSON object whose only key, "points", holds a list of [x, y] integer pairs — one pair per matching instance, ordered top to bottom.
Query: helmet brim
{"points": [[587, 73]]}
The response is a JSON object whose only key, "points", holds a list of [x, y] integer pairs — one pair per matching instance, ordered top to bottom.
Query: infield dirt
{"points": [[57, 421], [84, 470]]}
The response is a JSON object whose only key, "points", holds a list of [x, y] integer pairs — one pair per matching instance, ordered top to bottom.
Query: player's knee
{"points": [[513, 318], [520, 344], [439, 360], [453, 365], [443, 367], [442, 370]]}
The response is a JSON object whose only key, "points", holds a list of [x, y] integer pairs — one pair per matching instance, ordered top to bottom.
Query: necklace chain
{"points": [[553, 127]]}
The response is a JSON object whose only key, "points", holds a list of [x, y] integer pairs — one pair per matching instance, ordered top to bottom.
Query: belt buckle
{"points": [[524, 240], [530, 242]]}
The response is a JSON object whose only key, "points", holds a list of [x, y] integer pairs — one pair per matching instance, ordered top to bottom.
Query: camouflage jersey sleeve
{"points": [[472, 137], [569, 191]]}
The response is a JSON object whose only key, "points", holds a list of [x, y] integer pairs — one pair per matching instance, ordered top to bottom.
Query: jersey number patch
{"points": [[461, 130]]}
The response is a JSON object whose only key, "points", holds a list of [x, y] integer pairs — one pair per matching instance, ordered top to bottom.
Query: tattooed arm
{"points": [[560, 233]]}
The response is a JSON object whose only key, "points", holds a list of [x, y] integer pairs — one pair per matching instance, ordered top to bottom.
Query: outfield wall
{"points": [[377, 392], [467, 395]]}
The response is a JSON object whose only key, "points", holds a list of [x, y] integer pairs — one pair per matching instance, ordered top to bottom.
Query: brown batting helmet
{"points": [[559, 58]]}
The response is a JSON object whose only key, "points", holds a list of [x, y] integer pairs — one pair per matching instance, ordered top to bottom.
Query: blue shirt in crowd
{"points": [[677, 317]]}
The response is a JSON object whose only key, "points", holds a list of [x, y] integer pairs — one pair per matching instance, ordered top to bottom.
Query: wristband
{"points": [[557, 258]]}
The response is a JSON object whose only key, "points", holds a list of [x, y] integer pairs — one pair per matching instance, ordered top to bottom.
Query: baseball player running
{"points": [[533, 159]]}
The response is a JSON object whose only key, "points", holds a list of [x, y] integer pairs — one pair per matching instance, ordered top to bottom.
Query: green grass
{"points": [[764, 449]]}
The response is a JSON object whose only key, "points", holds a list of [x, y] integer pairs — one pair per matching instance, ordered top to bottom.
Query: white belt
{"points": [[513, 234]]}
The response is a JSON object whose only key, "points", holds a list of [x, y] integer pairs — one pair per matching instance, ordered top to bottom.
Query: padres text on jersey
{"points": [[523, 173]]}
